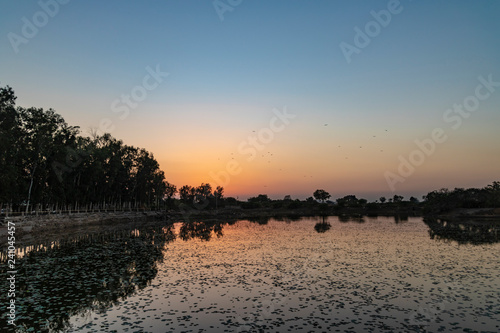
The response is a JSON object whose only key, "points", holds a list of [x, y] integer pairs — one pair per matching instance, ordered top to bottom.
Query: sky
{"points": [[371, 98]]}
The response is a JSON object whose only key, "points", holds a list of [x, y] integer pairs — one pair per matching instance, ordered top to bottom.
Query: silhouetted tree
{"points": [[45, 162], [11, 182], [170, 190], [203, 192], [493, 192], [187, 194], [218, 195], [321, 195], [261, 198], [397, 198], [444, 200], [231, 201], [311, 201], [348, 201], [256, 202]]}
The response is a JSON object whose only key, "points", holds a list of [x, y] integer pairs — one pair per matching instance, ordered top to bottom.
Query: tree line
{"points": [[46, 163], [445, 200], [434, 202]]}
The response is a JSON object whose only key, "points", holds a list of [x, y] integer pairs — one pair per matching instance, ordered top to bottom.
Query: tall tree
{"points": [[45, 133], [10, 149], [45, 161], [203, 192], [187, 194], [218, 195], [321, 195]]}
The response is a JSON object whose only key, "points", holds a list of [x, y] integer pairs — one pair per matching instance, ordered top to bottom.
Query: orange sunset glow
{"points": [[207, 96]]}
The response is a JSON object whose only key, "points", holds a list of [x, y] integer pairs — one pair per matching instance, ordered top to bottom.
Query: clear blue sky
{"points": [[226, 76]]}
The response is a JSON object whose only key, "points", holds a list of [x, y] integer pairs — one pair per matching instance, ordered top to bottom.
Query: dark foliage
{"points": [[45, 164], [444, 200]]}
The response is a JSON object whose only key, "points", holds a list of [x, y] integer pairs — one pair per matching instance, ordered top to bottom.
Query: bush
{"points": [[295, 204], [250, 205]]}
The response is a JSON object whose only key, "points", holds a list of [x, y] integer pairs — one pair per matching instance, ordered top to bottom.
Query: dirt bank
{"points": [[34, 227]]}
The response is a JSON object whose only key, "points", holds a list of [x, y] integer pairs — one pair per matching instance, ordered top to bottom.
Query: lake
{"points": [[310, 274]]}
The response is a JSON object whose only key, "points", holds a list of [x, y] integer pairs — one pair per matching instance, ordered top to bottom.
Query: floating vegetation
{"points": [[90, 273], [377, 275]]}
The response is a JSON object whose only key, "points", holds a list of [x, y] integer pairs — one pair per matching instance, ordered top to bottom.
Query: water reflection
{"points": [[289, 218], [351, 218], [400, 218], [262, 220], [322, 227], [202, 230], [464, 232], [88, 273]]}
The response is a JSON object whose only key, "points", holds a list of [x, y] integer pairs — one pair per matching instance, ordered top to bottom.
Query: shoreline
{"points": [[30, 227], [43, 227]]}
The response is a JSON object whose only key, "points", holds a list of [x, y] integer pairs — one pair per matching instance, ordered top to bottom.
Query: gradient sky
{"points": [[353, 123]]}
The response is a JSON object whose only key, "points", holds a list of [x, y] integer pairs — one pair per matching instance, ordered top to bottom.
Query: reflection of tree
{"points": [[289, 218], [351, 218], [400, 218], [263, 220], [322, 226], [200, 230], [463, 232], [89, 273]]}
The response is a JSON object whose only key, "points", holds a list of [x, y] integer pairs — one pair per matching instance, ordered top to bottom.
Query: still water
{"points": [[304, 275]]}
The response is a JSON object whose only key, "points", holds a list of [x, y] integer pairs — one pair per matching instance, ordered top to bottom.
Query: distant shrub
{"points": [[277, 204], [294, 204], [250, 205], [323, 206]]}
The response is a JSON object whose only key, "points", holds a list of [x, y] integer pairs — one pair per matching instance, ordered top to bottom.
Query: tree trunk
{"points": [[31, 186]]}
